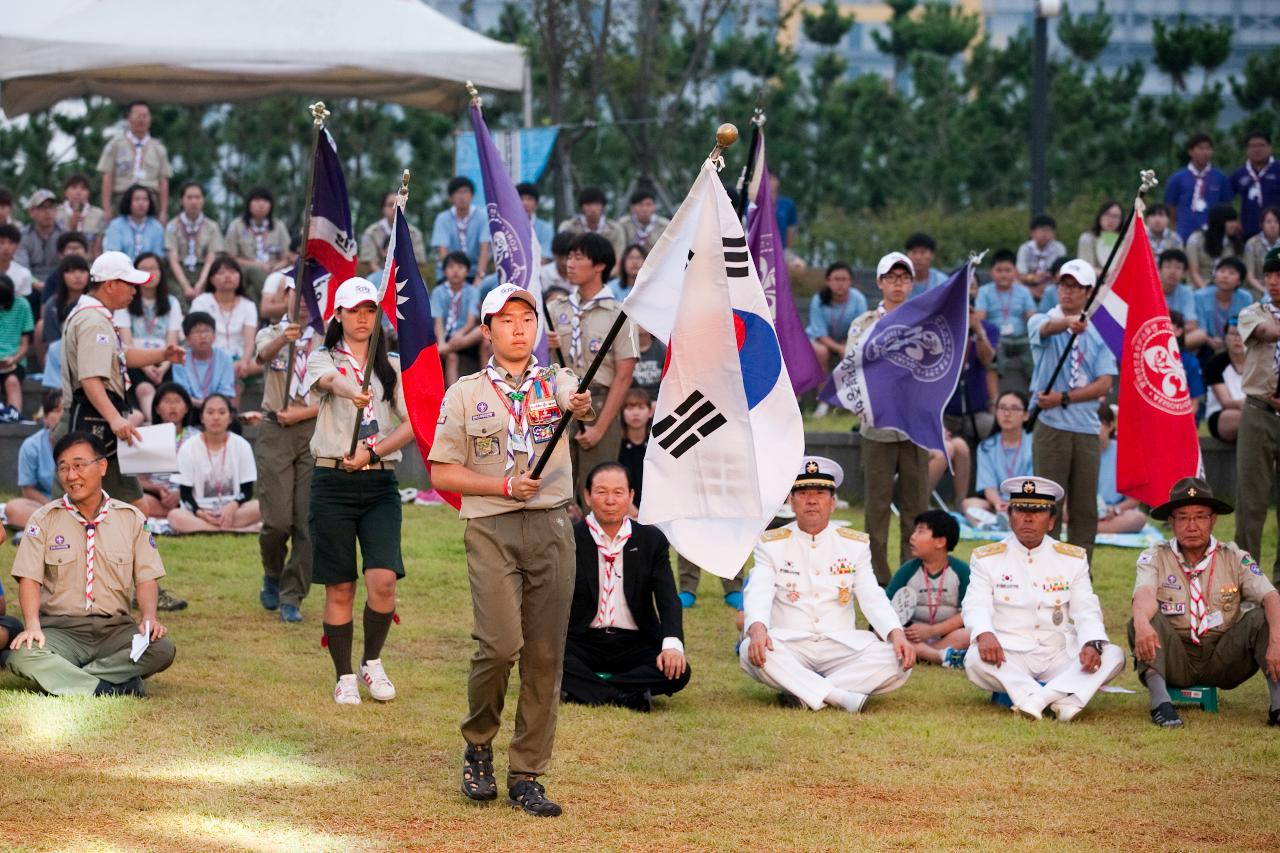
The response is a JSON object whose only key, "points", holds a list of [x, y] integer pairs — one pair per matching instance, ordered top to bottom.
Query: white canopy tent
{"points": [[191, 51]]}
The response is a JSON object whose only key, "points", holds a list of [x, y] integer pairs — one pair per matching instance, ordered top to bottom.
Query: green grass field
{"points": [[240, 747]]}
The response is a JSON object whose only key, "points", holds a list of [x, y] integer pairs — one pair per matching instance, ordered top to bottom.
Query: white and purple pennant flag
{"points": [[901, 374]]}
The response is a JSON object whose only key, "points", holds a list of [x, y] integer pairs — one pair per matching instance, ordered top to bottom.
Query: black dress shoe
{"points": [[132, 687], [788, 700], [642, 702], [1164, 716], [1273, 717], [478, 782], [532, 798]]}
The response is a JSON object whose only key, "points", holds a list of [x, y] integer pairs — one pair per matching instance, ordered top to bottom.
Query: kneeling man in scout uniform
{"points": [[494, 425], [77, 569], [799, 613], [1032, 613], [1187, 625]]}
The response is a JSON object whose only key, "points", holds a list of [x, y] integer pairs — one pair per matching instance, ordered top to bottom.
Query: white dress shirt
{"points": [[611, 605]]}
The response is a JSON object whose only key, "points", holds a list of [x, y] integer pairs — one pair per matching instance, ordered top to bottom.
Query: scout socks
{"points": [[376, 626], [339, 639], [1160, 689]]}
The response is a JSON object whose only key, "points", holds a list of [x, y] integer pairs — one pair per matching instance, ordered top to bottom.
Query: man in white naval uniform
{"points": [[799, 611], [1032, 613]]}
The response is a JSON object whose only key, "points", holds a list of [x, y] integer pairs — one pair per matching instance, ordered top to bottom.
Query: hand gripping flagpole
{"points": [[318, 117], [726, 135], [1148, 181], [402, 198]]}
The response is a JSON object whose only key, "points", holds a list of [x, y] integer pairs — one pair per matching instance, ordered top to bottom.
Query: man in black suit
{"points": [[625, 638]]}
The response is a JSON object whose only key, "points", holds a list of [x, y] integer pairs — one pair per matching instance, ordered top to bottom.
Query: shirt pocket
{"points": [[486, 444], [58, 568], [113, 569]]}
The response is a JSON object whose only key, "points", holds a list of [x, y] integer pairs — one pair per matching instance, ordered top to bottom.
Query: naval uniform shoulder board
{"points": [[775, 534], [855, 535], [1069, 549], [990, 550]]}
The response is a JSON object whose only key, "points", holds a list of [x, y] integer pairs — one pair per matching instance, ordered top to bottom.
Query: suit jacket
{"points": [[647, 583]]}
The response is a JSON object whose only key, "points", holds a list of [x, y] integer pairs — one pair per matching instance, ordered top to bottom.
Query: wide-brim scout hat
{"points": [[818, 472], [1191, 491], [1032, 493]]}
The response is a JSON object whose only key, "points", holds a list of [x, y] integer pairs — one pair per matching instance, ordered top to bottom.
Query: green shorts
{"points": [[120, 487], [351, 506]]}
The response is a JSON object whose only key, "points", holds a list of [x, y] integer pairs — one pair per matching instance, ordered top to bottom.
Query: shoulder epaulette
{"points": [[775, 534], [855, 535], [1069, 549], [990, 550]]}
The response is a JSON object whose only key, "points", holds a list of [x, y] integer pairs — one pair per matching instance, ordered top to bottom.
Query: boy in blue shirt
{"points": [[1196, 187], [455, 305], [1008, 305], [208, 370], [1066, 434], [36, 468], [936, 582]]}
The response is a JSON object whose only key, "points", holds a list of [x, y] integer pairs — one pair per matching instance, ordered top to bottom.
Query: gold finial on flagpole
{"points": [[474, 93], [319, 115], [726, 135], [402, 194]]}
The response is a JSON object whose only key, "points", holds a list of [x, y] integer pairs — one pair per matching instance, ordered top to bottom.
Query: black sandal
{"points": [[478, 782], [532, 797]]}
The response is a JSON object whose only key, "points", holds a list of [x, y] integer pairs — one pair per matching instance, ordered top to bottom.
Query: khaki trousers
{"points": [[1257, 454], [1071, 460], [881, 461], [285, 464], [521, 567], [80, 651], [1224, 659]]}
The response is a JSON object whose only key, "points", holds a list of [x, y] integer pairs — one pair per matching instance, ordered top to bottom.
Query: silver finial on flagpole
{"points": [[474, 93], [319, 115], [1149, 180]]}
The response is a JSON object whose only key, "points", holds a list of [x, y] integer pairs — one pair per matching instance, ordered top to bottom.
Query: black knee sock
{"points": [[376, 626], [340, 639]]}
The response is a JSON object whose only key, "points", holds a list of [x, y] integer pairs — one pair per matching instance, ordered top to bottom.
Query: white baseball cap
{"points": [[891, 260], [116, 266], [1082, 271], [355, 292], [500, 296]]}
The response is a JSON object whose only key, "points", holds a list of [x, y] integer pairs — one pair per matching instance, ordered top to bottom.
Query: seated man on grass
{"points": [[927, 591]]}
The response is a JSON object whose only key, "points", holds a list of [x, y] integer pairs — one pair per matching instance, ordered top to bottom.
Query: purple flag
{"points": [[765, 245], [516, 253], [901, 373]]}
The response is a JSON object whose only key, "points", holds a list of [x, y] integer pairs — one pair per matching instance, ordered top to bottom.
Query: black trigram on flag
{"points": [[735, 257], [693, 420]]}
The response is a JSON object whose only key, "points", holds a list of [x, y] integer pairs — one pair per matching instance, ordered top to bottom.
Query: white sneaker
{"points": [[821, 410], [375, 678], [346, 692], [1067, 709]]}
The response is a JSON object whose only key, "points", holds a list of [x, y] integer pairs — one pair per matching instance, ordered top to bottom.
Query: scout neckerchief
{"points": [[139, 148], [1255, 188], [1198, 203], [70, 214], [582, 220], [461, 224], [191, 230], [259, 230], [139, 231], [643, 231], [1158, 244], [91, 303], [578, 308], [454, 315], [150, 322], [301, 352], [368, 419], [519, 430], [90, 539], [611, 573], [934, 604], [1199, 610]]}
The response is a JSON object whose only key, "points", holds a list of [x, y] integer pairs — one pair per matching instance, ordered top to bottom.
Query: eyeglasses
{"points": [[896, 277], [1010, 409], [77, 467], [1191, 519]]}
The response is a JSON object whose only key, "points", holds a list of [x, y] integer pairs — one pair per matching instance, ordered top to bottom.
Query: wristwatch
{"points": [[1066, 399], [374, 458], [1096, 645]]}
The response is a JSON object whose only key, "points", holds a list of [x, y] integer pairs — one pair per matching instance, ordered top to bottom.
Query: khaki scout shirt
{"points": [[117, 159], [92, 221], [208, 238], [374, 241], [240, 242], [596, 321], [862, 325], [91, 347], [275, 373], [1259, 376], [337, 418], [472, 431], [52, 552], [1236, 578]]}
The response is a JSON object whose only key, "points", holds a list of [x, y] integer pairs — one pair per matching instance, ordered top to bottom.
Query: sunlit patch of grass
{"points": [[38, 722], [209, 831]]}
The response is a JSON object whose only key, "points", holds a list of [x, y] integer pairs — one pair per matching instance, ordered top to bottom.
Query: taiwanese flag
{"points": [[331, 245], [409, 310], [1156, 441]]}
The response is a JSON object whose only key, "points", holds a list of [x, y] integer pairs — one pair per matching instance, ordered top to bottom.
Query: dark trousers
{"points": [[1071, 459], [627, 657], [1226, 659]]}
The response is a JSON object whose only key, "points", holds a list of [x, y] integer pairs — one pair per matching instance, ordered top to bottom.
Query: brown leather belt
{"points": [[329, 462]]}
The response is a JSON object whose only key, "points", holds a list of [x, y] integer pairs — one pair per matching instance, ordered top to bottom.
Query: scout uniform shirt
{"points": [[134, 161], [192, 240], [374, 241], [266, 246], [594, 319], [91, 347], [1260, 357], [276, 375], [337, 417], [474, 430], [52, 552], [1230, 577], [803, 586], [1032, 598]]}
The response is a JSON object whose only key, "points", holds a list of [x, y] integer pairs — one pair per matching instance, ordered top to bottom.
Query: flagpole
{"points": [[318, 116], [726, 135], [749, 168], [1148, 180], [402, 198]]}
